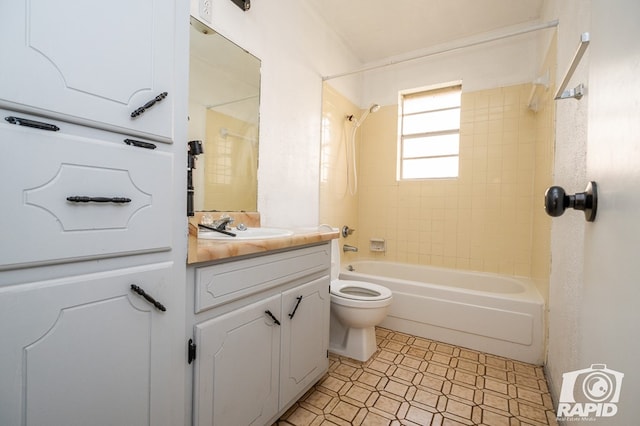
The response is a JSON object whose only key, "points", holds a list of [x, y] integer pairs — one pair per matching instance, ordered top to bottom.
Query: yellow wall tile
{"points": [[485, 220]]}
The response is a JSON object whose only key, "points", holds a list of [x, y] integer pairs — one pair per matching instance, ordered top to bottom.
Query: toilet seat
{"points": [[359, 290]]}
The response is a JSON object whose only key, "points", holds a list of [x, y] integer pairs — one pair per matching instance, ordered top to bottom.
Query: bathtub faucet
{"points": [[347, 247]]}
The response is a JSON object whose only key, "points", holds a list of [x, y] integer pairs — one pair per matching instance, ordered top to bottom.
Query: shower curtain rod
{"points": [[537, 27], [235, 101], [224, 132]]}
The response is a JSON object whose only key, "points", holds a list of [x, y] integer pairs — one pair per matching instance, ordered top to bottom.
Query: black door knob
{"points": [[556, 201]]}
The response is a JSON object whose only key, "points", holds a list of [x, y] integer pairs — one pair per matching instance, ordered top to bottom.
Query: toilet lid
{"points": [[359, 290]]}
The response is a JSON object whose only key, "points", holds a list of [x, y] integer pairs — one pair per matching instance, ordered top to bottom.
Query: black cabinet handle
{"points": [[148, 105], [32, 123], [139, 144], [82, 199], [148, 298], [299, 299], [272, 317], [191, 351]]}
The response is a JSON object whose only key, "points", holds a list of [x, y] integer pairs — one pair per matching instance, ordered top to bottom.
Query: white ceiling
{"points": [[379, 29]]}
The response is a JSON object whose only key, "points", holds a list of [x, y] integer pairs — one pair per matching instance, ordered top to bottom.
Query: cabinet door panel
{"points": [[90, 61], [40, 169], [305, 337], [84, 350], [236, 371], [91, 382]]}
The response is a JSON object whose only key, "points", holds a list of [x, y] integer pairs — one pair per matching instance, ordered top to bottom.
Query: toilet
{"points": [[356, 308]]}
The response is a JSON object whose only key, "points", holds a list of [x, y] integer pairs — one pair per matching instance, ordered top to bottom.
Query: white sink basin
{"points": [[247, 234]]}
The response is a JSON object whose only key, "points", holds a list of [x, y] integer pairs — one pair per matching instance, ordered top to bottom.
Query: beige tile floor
{"points": [[416, 381]]}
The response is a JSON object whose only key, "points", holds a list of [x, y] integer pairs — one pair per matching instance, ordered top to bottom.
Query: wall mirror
{"points": [[224, 104]]}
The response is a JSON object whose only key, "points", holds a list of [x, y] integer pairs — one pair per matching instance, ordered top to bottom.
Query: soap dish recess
{"points": [[377, 244]]}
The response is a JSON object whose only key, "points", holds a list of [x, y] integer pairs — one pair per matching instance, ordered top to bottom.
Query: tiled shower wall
{"points": [[337, 206], [490, 218]]}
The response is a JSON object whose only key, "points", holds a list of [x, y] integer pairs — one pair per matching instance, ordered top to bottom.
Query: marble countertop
{"points": [[201, 250]]}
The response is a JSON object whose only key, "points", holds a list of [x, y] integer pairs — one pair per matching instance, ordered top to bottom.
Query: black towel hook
{"points": [[556, 201]]}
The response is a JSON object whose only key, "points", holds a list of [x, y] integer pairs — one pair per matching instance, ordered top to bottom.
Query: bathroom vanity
{"points": [[259, 326]]}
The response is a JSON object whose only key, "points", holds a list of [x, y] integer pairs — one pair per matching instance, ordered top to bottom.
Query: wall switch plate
{"points": [[205, 10]]}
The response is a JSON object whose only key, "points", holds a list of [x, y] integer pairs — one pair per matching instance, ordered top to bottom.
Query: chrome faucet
{"points": [[221, 224], [347, 247]]}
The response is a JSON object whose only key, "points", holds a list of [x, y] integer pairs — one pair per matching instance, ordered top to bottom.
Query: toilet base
{"points": [[358, 343]]}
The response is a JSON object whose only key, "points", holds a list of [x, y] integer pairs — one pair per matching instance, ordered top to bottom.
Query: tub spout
{"points": [[347, 248]]}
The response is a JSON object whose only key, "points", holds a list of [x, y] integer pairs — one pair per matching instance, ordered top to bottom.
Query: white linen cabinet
{"points": [[92, 230]]}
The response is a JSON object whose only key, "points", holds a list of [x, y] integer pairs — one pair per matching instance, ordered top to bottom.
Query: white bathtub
{"points": [[492, 313]]}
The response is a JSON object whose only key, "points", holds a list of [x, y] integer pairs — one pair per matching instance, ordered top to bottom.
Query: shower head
{"points": [[372, 108]]}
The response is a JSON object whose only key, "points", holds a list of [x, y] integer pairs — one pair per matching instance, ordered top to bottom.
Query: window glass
{"points": [[428, 122], [429, 142], [431, 146], [430, 168]]}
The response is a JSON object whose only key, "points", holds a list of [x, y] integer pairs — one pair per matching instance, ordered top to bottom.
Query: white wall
{"points": [[296, 49], [506, 62], [567, 231]]}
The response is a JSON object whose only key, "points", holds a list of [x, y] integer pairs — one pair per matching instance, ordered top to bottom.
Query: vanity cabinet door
{"points": [[90, 62], [42, 171], [305, 337], [87, 350], [236, 367]]}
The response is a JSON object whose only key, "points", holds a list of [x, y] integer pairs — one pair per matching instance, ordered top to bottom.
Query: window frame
{"points": [[402, 137]]}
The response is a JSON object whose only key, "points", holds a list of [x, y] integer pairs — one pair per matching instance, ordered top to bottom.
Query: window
{"points": [[428, 145]]}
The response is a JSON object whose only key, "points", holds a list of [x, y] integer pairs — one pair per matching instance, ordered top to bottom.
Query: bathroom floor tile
{"points": [[415, 381]]}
